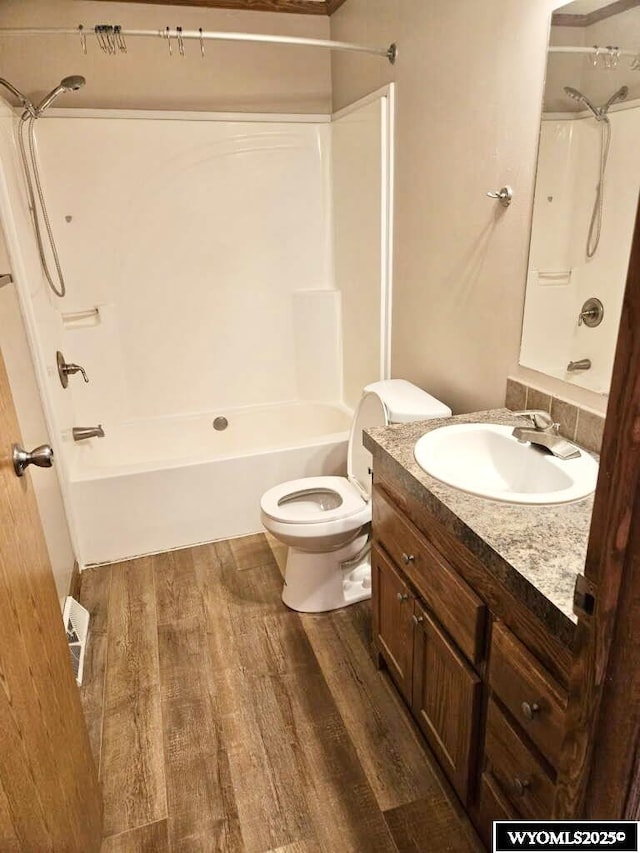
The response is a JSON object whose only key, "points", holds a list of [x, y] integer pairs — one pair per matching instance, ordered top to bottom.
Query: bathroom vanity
{"points": [[472, 617]]}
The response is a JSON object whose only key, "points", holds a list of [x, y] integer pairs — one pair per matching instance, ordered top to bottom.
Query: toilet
{"points": [[325, 521]]}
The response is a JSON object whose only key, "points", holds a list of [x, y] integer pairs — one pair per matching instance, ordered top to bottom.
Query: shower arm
{"points": [[26, 103]]}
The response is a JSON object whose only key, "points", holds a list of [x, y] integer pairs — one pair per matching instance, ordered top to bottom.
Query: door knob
{"points": [[42, 457]]}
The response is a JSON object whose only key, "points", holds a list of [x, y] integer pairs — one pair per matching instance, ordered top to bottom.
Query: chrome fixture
{"points": [[67, 84], [26, 103], [600, 114], [32, 174], [503, 195], [591, 313], [582, 364], [67, 369], [220, 423], [544, 432], [80, 433], [42, 457]]}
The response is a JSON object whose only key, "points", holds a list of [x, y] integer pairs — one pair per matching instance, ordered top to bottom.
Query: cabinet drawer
{"points": [[457, 607], [521, 683], [520, 774], [492, 806]]}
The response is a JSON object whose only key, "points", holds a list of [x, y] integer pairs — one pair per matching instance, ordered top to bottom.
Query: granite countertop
{"points": [[535, 551]]}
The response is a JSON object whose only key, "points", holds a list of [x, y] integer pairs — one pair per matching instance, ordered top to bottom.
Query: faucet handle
{"points": [[539, 418]]}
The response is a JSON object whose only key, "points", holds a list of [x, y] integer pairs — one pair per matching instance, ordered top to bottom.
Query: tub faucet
{"points": [[582, 364], [544, 432], [79, 433]]}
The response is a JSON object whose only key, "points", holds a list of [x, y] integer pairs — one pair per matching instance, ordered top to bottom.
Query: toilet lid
{"points": [[371, 412], [311, 499]]}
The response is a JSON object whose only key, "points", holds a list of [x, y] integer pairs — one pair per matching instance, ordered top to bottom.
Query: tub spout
{"points": [[80, 433]]}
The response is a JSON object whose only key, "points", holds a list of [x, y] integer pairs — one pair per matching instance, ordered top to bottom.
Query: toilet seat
{"points": [[312, 500]]}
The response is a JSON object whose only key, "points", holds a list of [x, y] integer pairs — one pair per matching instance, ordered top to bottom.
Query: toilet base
{"points": [[317, 583]]}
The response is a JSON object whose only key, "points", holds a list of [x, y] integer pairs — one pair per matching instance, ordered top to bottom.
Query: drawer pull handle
{"points": [[408, 558], [402, 597], [417, 620], [530, 710], [521, 786]]}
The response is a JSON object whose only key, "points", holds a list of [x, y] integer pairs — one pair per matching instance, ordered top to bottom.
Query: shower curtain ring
{"points": [[167, 33], [119, 38], [83, 39], [180, 41], [201, 42]]}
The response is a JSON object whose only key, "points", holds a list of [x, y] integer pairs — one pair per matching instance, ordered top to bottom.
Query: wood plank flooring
{"points": [[221, 721]]}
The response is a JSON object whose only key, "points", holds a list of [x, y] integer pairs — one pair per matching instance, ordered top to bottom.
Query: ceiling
{"points": [[301, 7], [583, 13]]}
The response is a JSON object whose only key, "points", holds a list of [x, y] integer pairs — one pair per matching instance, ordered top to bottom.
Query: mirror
{"points": [[587, 187]]}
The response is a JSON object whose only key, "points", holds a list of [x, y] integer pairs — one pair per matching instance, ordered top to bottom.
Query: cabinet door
{"points": [[392, 624], [446, 701]]}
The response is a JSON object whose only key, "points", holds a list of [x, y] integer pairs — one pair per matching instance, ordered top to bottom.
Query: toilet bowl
{"points": [[325, 520]]}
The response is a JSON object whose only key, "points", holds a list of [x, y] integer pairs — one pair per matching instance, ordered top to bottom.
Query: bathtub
{"points": [[167, 483]]}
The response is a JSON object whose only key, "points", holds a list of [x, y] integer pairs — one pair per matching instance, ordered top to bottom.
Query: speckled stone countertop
{"points": [[535, 551]]}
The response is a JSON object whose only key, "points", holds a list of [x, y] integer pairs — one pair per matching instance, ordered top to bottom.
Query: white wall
{"points": [[232, 76], [469, 92], [357, 152], [193, 238], [29, 408]]}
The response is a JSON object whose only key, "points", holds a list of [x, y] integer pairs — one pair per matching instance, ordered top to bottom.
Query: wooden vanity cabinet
{"points": [[392, 625], [445, 700], [490, 709]]}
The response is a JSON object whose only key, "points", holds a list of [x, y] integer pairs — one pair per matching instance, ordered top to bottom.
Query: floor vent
{"points": [[76, 623]]}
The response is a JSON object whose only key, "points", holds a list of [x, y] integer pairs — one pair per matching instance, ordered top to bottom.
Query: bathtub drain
{"points": [[220, 423]]}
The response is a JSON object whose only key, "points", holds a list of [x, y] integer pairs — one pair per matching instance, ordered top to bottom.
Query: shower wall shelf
{"points": [[177, 36]]}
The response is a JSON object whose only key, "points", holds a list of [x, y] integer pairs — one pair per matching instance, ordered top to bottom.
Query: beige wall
{"points": [[232, 76], [469, 93]]}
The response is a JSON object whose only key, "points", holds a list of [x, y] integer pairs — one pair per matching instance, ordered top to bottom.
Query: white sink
{"points": [[486, 460]]}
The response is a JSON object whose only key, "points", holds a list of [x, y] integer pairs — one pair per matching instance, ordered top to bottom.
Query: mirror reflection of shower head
{"points": [[68, 84], [620, 95], [582, 99]]}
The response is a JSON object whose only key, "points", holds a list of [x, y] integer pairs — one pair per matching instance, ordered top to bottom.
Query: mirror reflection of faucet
{"points": [[582, 364], [80, 433]]}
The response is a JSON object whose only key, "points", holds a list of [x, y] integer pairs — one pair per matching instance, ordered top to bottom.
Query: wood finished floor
{"points": [[221, 721]]}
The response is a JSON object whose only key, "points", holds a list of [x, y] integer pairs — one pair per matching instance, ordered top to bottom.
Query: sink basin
{"points": [[486, 460]]}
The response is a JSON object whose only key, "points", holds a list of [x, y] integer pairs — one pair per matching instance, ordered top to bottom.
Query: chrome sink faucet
{"points": [[544, 432]]}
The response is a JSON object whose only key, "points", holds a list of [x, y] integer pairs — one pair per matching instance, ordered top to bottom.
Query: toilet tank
{"points": [[405, 402]]}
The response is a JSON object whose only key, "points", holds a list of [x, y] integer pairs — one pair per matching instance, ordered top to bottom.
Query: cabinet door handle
{"points": [[408, 558], [402, 597], [417, 620], [530, 710], [521, 786]]}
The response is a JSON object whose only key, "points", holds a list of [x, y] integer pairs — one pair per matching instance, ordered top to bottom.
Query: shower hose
{"points": [[28, 153], [595, 227]]}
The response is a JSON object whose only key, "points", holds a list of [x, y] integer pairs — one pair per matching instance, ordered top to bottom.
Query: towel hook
{"points": [[503, 195]]}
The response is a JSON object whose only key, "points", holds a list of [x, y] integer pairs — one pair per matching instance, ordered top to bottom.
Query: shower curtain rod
{"points": [[178, 35], [595, 50]]}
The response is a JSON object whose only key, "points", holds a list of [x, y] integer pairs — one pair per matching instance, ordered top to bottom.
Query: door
{"points": [[393, 629], [446, 700], [49, 794]]}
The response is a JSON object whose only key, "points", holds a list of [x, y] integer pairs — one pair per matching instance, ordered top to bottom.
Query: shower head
{"points": [[67, 84], [620, 95], [582, 99]]}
